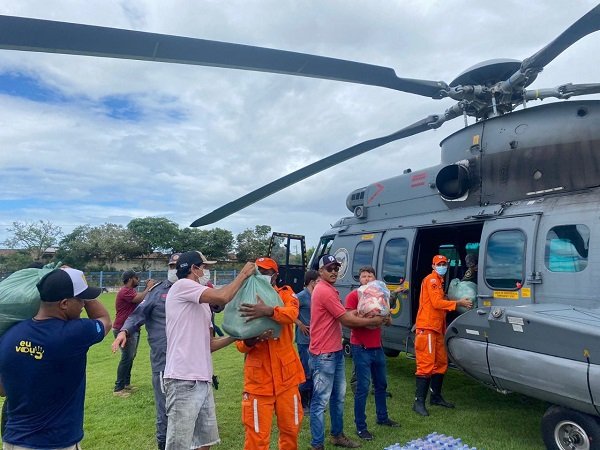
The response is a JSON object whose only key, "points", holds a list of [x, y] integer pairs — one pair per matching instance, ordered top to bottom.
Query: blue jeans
{"points": [[127, 356], [304, 357], [369, 363], [329, 385], [161, 412], [192, 420]]}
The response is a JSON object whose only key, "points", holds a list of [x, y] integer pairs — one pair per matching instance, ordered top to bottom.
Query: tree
{"points": [[154, 233], [34, 237], [106, 243], [215, 243], [252, 244], [75, 249], [16, 261]]}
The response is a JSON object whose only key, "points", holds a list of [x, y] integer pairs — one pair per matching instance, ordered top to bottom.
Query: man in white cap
{"points": [[43, 362]]}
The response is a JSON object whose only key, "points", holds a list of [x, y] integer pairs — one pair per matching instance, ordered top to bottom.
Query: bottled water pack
{"points": [[432, 441]]}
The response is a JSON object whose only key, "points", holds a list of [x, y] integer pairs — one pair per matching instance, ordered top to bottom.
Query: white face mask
{"points": [[441, 270], [172, 275], [205, 278], [267, 278]]}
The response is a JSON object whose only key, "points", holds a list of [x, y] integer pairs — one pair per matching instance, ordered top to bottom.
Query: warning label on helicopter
{"points": [[508, 295]]}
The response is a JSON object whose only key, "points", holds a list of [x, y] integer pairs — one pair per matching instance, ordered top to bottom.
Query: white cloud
{"points": [[205, 136]]}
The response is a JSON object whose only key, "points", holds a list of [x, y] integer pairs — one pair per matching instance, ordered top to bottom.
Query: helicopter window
{"points": [[323, 248], [567, 248], [363, 256], [505, 259], [394, 260]]}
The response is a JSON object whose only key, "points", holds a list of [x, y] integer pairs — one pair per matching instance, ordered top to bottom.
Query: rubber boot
{"points": [[436, 392], [420, 396]]}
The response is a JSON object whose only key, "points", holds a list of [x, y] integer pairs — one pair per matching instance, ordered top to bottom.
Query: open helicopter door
{"points": [[289, 251], [394, 268], [506, 272]]}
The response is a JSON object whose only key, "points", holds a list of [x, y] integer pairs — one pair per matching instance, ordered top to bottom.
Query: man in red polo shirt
{"points": [[127, 299], [327, 357]]}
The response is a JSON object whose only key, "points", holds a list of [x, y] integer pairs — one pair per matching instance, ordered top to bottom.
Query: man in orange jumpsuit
{"points": [[430, 350], [272, 371]]}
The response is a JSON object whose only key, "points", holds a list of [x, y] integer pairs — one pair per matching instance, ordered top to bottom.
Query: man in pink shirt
{"points": [[127, 299], [326, 355], [192, 422]]}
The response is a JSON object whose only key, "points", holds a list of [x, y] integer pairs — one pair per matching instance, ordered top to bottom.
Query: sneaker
{"points": [[130, 388], [122, 393], [389, 423], [365, 435], [343, 441]]}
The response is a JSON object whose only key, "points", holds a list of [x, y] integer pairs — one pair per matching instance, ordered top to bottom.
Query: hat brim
{"points": [[333, 264], [90, 293]]}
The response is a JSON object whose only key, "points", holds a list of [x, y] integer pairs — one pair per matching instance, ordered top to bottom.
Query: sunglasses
{"points": [[332, 268]]}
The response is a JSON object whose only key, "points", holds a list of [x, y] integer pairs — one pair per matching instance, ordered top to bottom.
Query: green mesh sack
{"points": [[462, 289], [19, 297], [235, 325]]}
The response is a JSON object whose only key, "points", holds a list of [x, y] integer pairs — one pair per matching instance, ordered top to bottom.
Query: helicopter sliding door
{"points": [[393, 267], [507, 274]]}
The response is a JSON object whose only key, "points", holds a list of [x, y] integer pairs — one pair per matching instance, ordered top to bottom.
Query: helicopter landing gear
{"points": [[567, 429]]}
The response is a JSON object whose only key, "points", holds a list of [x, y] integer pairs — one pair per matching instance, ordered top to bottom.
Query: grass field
{"points": [[483, 418]]}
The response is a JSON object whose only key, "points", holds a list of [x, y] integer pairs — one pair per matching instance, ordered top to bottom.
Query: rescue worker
{"points": [[471, 261], [430, 350], [272, 371]]}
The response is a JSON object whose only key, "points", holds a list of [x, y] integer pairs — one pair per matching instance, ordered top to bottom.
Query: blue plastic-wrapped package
{"points": [[235, 325]]}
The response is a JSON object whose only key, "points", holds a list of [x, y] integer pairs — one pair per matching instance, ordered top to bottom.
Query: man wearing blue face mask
{"points": [[430, 350]]}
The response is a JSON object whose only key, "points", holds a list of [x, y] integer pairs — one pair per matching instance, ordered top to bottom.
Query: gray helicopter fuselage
{"points": [[526, 190]]}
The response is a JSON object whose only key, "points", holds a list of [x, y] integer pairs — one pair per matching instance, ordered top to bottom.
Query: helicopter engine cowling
{"points": [[453, 181]]}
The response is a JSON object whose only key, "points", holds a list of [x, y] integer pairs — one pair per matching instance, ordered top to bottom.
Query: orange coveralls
{"points": [[430, 350], [272, 373]]}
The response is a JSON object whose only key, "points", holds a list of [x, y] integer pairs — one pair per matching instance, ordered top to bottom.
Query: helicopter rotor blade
{"points": [[587, 24], [26, 34], [564, 91], [430, 122]]}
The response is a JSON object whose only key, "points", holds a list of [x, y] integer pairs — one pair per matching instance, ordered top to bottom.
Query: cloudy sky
{"points": [[89, 140]]}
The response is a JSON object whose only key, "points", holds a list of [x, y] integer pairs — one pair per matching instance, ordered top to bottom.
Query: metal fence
{"points": [[111, 281]]}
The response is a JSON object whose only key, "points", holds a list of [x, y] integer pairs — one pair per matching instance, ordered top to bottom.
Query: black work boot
{"points": [[436, 392], [421, 395]]}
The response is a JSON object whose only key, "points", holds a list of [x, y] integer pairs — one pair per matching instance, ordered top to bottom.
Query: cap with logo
{"points": [[174, 258], [188, 259], [439, 259], [327, 260], [267, 263], [66, 283]]}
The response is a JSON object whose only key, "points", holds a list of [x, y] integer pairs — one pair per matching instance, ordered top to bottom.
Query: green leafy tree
{"points": [[154, 234], [34, 237], [216, 243], [105, 244], [252, 244], [75, 248], [16, 261]]}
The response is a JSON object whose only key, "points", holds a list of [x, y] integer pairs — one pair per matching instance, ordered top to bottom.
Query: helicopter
{"points": [[519, 188]]}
